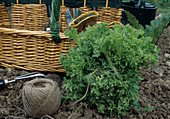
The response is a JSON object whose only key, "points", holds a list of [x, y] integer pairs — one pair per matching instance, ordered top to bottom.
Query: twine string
{"points": [[41, 97]]}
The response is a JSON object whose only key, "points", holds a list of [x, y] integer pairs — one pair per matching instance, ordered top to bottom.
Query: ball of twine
{"points": [[41, 97]]}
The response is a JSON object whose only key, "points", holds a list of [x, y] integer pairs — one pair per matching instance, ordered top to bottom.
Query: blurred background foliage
{"points": [[163, 5]]}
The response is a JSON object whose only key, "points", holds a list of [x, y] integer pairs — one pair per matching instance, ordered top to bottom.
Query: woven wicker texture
{"points": [[85, 9], [106, 14], [24, 16], [29, 16], [4, 17], [62, 18], [32, 50]]}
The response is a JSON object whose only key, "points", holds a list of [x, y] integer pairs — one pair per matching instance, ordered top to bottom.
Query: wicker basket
{"points": [[106, 14], [24, 16], [4, 17], [32, 50], [35, 50]]}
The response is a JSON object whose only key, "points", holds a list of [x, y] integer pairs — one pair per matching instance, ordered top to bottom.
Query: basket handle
{"points": [[17, 1], [62, 2], [107, 2], [84, 3]]}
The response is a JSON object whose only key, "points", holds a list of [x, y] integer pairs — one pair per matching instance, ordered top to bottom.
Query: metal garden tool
{"points": [[75, 11], [9, 13], [26, 76]]}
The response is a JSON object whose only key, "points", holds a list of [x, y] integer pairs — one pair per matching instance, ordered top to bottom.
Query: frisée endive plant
{"points": [[117, 53]]}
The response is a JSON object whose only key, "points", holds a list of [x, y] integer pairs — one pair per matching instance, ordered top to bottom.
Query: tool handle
{"points": [[142, 4], [2, 83]]}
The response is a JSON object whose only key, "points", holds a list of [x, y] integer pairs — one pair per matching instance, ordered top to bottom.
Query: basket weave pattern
{"points": [[106, 14], [24, 16], [4, 17], [62, 18], [27, 47], [32, 50]]}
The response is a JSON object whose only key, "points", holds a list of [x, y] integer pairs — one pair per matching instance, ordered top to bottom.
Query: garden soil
{"points": [[154, 92]]}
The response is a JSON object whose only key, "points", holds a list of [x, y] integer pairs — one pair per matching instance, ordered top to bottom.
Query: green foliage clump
{"points": [[161, 3], [156, 27], [117, 54]]}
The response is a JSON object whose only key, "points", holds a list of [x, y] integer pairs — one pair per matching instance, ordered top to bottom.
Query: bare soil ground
{"points": [[154, 92]]}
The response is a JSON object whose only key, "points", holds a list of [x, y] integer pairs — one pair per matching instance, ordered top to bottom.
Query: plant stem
{"points": [[160, 35], [113, 68], [84, 94]]}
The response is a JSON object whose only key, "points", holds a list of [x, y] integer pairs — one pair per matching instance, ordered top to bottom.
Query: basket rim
{"points": [[32, 33]]}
